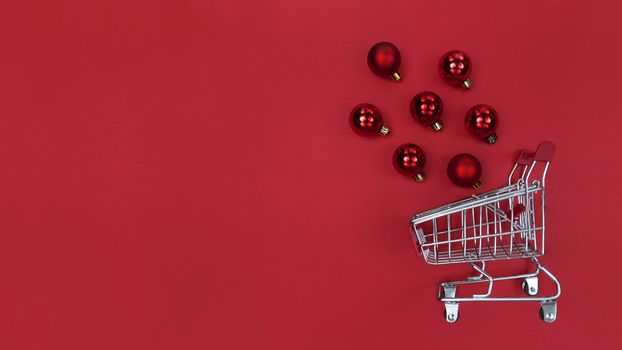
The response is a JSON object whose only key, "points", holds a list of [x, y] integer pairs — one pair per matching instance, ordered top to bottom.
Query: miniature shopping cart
{"points": [[505, 223]]}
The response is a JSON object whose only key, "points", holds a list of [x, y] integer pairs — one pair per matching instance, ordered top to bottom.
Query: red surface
{"points": [[181, 174]]}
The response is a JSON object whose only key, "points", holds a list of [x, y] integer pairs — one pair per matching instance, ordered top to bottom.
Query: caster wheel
{"points": [[530, 286], [549, 315], [453, 318]]}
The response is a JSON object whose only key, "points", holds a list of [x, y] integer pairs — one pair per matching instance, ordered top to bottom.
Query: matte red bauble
{"points": [[384, 60], [455, 69], [426, 108], [366, 120], [481, 121], [408, 160], [464, 170]]}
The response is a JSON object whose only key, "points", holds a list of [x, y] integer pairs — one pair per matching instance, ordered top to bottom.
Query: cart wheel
{"points": [[530, 286], [548, 312], [451, 313], [454, 318]]}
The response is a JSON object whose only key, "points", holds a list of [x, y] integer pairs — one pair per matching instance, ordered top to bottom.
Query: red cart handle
{"points": [[544, 153]]}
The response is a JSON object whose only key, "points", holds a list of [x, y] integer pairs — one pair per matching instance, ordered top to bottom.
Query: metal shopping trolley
{"points": [[505, 223]]}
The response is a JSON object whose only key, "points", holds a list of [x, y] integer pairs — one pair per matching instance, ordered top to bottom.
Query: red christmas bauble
{"points": [[384, 60], [455, 69], [426, 108], [366, 120], [481, 121], [408, 160], [464, 170]]}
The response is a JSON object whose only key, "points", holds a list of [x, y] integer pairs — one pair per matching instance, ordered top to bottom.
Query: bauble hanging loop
{"points": [[384, 60], [454, 68], [426, 108], [366, 120], [481, 121], [408, 160]]}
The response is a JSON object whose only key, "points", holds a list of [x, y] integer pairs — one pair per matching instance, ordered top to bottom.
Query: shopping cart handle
{"points": [[544, 153], [525, 157]]}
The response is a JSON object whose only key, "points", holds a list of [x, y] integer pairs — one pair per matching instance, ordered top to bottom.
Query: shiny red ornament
{"points": [[384, 60], [455, 69], [426, 108], [366, 120], [482, 121], [408, 160], [465, 170]]}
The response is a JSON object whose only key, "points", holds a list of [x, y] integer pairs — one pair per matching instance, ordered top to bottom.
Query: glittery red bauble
{"points": [[384, 60], [455, 68], [426, 108], [366, 120], [481, 121], [408, 160], [464, 170]]}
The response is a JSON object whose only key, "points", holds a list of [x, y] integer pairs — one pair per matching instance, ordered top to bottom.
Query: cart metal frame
{"points": [[505, 223]]}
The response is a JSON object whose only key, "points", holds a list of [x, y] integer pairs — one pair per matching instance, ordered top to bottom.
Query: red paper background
{"points": [[180, 174]]}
